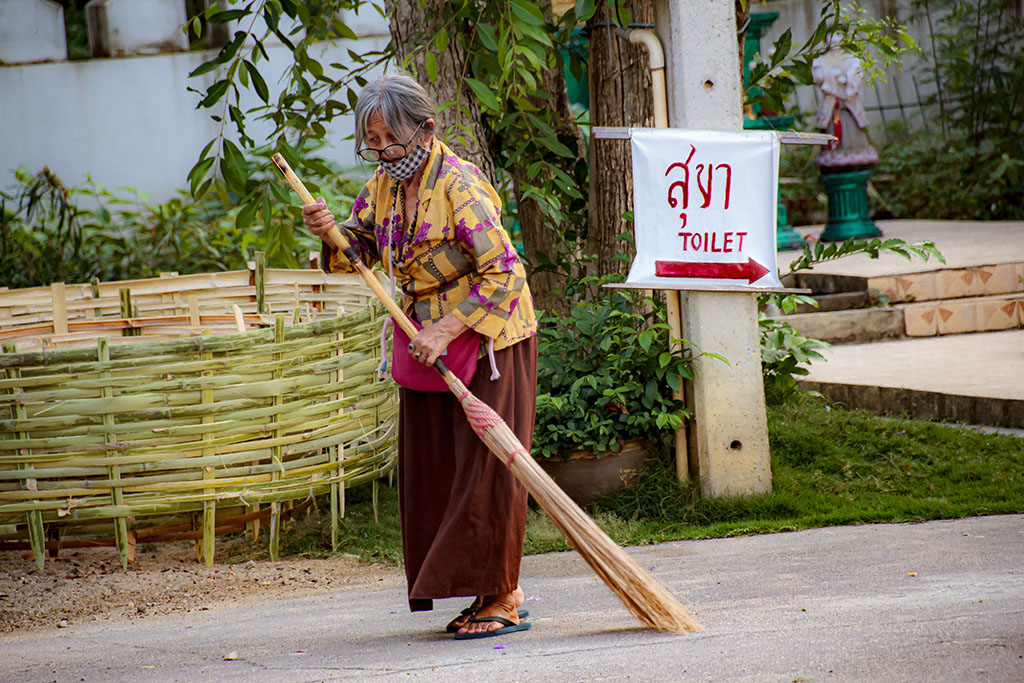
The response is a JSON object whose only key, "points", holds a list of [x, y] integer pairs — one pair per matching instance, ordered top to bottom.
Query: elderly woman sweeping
{"points": [[434, 222]]}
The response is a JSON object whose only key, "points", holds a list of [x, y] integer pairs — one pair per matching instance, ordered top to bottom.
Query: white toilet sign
{"points": [[704, 206]]}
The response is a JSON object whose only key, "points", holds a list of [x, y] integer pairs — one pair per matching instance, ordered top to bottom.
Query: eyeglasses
{"points": [[392, 151]]}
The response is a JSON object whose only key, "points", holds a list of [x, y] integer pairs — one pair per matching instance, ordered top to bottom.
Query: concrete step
{"points": [[826, 283], [840, 301], [915, 304], [958, 316], [858, 325], [975, 378], [924, 405]]}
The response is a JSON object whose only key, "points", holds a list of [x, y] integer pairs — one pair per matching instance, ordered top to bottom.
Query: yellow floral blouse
{"points": [[455, 257]]}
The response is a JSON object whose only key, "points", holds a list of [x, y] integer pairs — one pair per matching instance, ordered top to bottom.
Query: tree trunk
{"points": [[742, 21], [413, 26], [620, 95], [539, 236]]}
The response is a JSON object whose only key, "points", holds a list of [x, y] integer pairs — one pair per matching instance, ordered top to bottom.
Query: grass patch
{"points": [[829, 467], [359, 534]]}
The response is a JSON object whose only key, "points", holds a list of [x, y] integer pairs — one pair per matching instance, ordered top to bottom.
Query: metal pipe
{"points": [[656, 56]]}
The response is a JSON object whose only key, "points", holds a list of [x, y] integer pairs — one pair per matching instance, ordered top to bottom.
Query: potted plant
{"points": [[605, 381]]}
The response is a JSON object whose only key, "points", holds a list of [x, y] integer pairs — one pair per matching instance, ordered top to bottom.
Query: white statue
{"points": [[840, 113]]}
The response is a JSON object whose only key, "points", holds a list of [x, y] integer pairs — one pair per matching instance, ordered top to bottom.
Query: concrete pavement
{"points": [[939, 601]]}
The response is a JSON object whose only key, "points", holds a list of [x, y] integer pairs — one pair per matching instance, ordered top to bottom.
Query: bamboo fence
{"points": [[170, 306], [178, 433]]}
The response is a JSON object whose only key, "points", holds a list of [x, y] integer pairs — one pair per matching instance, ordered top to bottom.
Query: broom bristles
{"points": [[642, 594]]}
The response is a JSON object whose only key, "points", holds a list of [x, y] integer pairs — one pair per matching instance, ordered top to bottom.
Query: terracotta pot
{"points": [[587, 476]]}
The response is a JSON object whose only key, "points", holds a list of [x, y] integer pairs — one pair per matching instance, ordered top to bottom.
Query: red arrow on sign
{"points": [[751, 271]]}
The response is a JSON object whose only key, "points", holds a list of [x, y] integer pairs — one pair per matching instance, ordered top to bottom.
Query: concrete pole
{"points": [[728, 438]]}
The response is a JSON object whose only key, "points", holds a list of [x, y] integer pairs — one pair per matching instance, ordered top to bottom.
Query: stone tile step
{"points": [[964, 244], [826, 283], [949, 283], [932, 285], [958, 316], [927, 319]]}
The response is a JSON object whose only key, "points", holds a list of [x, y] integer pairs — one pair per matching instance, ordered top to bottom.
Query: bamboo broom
{"points": [[645, 597]]}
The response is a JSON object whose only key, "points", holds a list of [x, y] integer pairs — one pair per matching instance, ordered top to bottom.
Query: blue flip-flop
{"points": [[469, 610], [507, 627]]}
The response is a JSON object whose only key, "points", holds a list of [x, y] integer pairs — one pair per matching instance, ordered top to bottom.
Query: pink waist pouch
{"points": [[460, 357]]}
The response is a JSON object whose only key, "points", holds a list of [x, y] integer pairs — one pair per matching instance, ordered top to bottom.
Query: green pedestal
{"points": [[759, 23], [848, 206], [786, 238]]}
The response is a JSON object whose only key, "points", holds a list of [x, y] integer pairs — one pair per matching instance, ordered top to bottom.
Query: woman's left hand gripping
{"points": [[431, 341]]}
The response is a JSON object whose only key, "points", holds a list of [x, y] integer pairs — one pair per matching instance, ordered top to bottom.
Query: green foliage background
{"points": [[969, 162], [53, 233]]}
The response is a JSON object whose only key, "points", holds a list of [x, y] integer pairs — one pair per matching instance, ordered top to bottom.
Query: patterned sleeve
{"points": [[360, 223], [499, 276]]}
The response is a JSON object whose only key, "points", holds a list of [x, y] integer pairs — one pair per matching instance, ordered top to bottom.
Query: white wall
{"points": [[121, 28], [31, 31], [131, 121]]}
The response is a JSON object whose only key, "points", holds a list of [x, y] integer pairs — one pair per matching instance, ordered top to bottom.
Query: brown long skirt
{"points": [[463, 513]]}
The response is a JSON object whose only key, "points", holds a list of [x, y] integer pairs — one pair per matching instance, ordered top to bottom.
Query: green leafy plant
{"points": [[508, 45], [976, 69], [234, 166], [953, 180], [42, 232], [820, 252], [785, 352], [605, 374]]}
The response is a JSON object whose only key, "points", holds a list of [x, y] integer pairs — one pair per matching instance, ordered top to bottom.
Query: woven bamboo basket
{"points": [[110, 437]]}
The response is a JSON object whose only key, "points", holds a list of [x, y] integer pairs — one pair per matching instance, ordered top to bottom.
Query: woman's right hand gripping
{"points": [[317, 217]]}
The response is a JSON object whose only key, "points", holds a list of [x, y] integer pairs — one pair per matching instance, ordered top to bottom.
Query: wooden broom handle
{"points": [[333, 236], [338, 241]]}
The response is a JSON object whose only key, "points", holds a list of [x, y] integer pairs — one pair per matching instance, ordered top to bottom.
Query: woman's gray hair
{"points": [[401, 102]]}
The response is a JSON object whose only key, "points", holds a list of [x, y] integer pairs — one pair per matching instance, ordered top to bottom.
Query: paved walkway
{"points": [[962, 243], [988, 365], [940, 601]]}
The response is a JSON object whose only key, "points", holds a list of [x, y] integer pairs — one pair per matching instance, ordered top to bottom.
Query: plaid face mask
{"points": [[406, 167]]}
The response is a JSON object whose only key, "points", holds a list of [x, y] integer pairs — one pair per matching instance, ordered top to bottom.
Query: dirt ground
{"points": [[89, 585]]}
